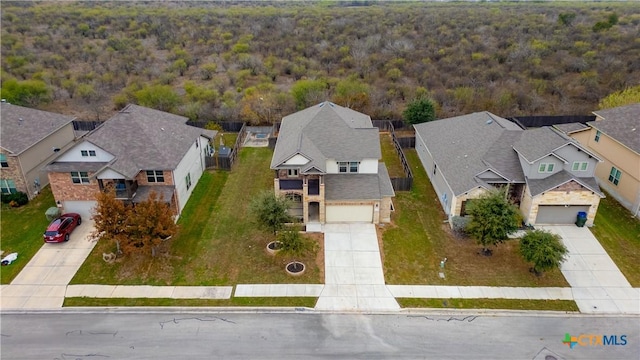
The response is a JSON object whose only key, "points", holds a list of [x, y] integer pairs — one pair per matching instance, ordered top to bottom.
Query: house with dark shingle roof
{"points": [[615, 137], [30, 139], [138, 151], [326, 160], [549, 176]]}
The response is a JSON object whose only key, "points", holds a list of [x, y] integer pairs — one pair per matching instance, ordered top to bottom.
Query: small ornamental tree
{"points": [[419, 111], [270, 211], [110, 217], [492, 219], [150, 223], [544, 249]]}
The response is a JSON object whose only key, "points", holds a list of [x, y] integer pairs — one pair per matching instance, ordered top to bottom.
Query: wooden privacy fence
{"points": [[225, 162], [405, 183]]}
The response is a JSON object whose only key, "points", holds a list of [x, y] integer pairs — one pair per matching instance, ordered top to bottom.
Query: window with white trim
{"points": [[597, 138], [87, 153], [3, 160], [348, 166], [579, 166], [546, 167], [292, 172], [155, 176], [614, 176], [80, 177], [187, 179], [8, 186]]}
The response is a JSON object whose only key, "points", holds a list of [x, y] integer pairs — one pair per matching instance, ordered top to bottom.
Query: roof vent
{"points": [[331, 104], [321, 105], [489, 121], [162, 129]]}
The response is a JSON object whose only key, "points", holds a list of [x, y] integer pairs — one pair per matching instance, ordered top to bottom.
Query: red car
{"points": [[60, 228]]}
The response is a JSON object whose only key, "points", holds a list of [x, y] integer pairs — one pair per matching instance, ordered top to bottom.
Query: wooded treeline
{"points": [[260, 61]]}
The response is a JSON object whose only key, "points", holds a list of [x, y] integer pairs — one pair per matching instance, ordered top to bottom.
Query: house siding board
{"points": [[74, 154], [573, 154], [614, 154], [297, 160], [191, 164], [533, 172], [437, 180]]}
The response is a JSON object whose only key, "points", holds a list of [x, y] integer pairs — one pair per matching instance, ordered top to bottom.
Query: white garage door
{"points": [[84, 208], [349, 213], [559, 214]]}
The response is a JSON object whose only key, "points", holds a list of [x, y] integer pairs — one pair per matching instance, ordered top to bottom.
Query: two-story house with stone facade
{"points": [[30, 139], [137, 151], [327, 161], [547, 174]]}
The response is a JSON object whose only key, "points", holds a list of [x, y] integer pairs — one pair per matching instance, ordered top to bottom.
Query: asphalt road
{"points": [[188, 334]]}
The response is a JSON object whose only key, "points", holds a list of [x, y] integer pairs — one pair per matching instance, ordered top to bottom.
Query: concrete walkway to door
{"points": [[354, 279], [597, 284]]}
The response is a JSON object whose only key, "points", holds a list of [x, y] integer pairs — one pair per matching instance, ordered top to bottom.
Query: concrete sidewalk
{"points": [[42, 282], [597, 284]]}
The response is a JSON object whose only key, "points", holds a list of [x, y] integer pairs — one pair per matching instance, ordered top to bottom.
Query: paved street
{"points": [[199, 334]]}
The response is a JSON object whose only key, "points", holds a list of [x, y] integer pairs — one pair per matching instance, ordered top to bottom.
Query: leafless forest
{"points": [[259, 61]]}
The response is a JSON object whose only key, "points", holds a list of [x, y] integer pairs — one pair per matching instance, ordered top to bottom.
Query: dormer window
{"points": [[348, 166], [579, 166], [546, 167], [292, 172]]}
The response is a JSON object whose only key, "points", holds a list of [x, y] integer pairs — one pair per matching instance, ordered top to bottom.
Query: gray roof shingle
{"points": [[622, 124], [21, 127], [571, 127], [326, 131], [141, 138], [535, 144], [462, 148], [359, 186], [538, 186]]}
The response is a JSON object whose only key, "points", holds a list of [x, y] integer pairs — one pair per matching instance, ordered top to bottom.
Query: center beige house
{"points": [[326, 160]]}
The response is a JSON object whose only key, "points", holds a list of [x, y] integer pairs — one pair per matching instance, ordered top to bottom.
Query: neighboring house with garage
{"points": [[615, 137], [30, 139], [137, 151], [326, 160], [548, 175]]}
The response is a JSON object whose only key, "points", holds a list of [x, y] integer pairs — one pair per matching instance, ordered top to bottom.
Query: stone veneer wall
{"points": [[13, 172], [142, 178], [576, 197]]}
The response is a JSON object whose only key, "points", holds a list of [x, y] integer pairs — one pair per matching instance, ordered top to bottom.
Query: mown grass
{"points": [[390, 157], [21, 232], [619, 233], [419, 238], [218, 242], [242, 301], [503, 304]]}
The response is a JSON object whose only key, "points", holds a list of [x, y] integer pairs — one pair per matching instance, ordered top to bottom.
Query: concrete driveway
{"points": [[354, 279], [43, 281], [597, 284]]}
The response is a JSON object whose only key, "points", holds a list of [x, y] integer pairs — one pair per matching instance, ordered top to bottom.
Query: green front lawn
{"points": [[21, 231], [619, 233], [419, 239], [217, 243], [243, 301], [502, 304]]}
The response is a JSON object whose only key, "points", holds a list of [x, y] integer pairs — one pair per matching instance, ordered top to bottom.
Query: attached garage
{"points": [[84, 208], [349, 213], [559, 214]]}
